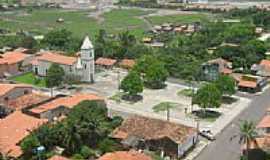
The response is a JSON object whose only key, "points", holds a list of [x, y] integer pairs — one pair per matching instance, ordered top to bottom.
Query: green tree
{"points": [[61, 40], [156, 75], [54, 77], [132, 84], [226, 85], [208, 96], [165, 106], [247, 135], [28, 145]]}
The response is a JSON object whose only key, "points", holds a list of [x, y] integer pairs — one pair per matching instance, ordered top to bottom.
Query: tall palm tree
{"points": [[247, 135]]}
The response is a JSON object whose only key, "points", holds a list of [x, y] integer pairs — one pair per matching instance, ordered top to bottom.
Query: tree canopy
{"points": [[55, 76], [132, 84], [226, 85], [208, 96]]}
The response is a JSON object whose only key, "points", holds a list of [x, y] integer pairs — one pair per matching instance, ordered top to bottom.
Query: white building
{"points": [[82, 66]]}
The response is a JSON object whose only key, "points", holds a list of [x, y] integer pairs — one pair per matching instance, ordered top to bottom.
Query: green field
{"points": [[183, 18], [80, 23], [29, 78]]}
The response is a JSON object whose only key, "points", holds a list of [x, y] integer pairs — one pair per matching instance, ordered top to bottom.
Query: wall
{"points": [[16, 92], [185, 146]]}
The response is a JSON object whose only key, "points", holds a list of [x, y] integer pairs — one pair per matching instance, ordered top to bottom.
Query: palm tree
{"points": [[165, 106], [247, 135]]}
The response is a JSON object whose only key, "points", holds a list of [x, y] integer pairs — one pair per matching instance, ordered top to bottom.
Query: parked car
{"points": [[206, 133]]}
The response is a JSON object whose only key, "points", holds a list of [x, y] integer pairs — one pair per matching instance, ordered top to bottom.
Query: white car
{"points": [[206, 133]]}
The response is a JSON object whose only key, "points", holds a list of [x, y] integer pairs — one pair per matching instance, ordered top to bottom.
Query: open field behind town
{"points": [[81, 23]]}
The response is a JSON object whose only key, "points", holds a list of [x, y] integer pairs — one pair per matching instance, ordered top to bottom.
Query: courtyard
{"points": [[107, 86]]}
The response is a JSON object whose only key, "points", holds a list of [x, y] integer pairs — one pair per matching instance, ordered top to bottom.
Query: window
{"points": [[85, 66], [70, 68], [25, 92], [6, 98]]}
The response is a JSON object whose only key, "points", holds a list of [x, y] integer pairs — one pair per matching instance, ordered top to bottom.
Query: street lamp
{"points": [[39, 151]]}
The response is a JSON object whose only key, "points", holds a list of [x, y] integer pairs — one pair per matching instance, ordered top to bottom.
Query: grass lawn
{"points": [[183, 18], [78, 22], [29, 78]]}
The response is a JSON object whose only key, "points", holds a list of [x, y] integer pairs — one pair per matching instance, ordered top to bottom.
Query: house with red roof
{"points": [[11, 63], [82, 66], [57, 107], [169, 138]]}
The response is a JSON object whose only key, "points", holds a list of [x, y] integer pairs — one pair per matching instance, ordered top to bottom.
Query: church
{"points": [[82, 66]]}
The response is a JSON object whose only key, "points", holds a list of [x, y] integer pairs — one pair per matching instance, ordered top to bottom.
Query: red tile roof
{"points": [[12, 57], [57, 58], [105, 61], [127, 63], [265, 63], [247, 84], [5, 88], [26, 100], [65, 101], [265, 122], [13, 129], [152, 129], [124, 155], [56, 157]]}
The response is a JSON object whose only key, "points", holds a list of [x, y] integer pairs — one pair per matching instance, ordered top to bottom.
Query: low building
{"points": [[105, 62], [11, 63], [127, 63], [212, 69], [262, 69], [252, 84], [9, 92], [59, 106], [263, 127], [13, 129], [172, 139], [125, 155]]}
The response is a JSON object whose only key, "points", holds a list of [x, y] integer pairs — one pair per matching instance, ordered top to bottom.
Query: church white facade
{"points": [[82, 66]]}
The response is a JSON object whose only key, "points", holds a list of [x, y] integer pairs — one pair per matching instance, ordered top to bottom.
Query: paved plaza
{"points": [[107, 86]]}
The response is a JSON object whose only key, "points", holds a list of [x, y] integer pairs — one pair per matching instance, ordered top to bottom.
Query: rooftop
{"points": [[87, 44], [12, 57], [56, 58], [105, 61], [127, 63], [265, 63], [247, 84], [5, 88], [26, 100], [69, 102], [265, 122], [13, 129], [151, 129], [125, 155]]}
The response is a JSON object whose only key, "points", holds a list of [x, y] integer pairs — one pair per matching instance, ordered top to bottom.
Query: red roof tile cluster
{"points": [[12, 57], [55, 58], [105, 61], [127, 63], [265, 63], [247, 84], [5, 88], [26, 100], [69, 102], [265, 122], [13, 129], [152, 129], [124, 155]]}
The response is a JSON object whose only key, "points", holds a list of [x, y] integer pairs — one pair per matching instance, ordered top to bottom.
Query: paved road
{"points": [[226, 149]]}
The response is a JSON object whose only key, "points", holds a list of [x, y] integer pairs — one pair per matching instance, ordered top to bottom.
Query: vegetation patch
{"points": [[30, 78], [185, 92], [206, 115]]}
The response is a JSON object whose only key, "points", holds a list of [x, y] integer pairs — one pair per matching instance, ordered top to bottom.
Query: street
{"points": [[228, 148]]}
